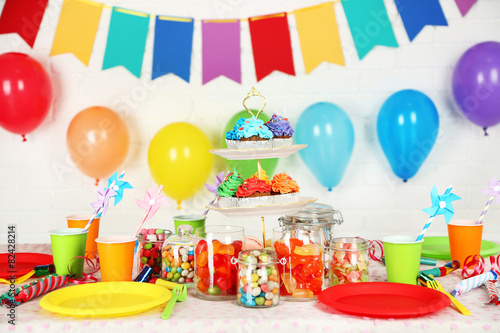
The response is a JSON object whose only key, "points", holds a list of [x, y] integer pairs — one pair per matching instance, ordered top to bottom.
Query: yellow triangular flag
{"points": [[77, 28], [319, 35]]}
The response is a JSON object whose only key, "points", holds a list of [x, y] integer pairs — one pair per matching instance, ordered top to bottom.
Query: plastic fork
{"points": [[434, 284], [179, 294]]}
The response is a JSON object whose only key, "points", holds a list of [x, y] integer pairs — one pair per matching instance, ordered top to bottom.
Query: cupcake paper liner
{"points": [[278, 143], [235, 144], [286, 198], [255, 201], [228, 202]]}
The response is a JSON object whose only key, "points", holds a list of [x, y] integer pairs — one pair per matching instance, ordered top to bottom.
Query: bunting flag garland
{"points": [[465, 5], [417, 14], [23, 17], [369, 24], [77, 29], [317, 30], [319, 36], [126, 40], [173, 47], [221, 49], [271, 51]]}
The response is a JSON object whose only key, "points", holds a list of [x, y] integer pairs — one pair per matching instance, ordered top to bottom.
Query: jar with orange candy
{"points": [[299, 247], [216, 254], [349, 262]]}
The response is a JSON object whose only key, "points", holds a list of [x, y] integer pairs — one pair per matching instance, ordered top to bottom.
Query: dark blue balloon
{"points": [[407, 128], [329, 134]]}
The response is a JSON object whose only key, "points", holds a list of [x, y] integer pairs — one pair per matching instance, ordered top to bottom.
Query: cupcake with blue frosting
{"points": [[249, 133]]}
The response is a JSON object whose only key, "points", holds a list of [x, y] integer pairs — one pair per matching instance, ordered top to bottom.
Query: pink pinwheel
{"points": [[493, 191], [103, 197], [153, 200]]}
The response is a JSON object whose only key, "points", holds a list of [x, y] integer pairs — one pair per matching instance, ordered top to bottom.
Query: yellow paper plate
{"points": [[105, 299]]}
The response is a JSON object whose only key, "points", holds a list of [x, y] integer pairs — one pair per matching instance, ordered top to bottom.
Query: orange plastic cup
{"points": [[80, 221], [465, 239], [116, 256]]}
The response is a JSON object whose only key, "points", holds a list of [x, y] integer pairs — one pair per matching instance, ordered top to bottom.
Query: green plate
{"points": [[439, 248]]}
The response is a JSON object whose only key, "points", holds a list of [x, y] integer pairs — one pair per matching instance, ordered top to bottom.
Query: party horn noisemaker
{"points": [[443, 270]]}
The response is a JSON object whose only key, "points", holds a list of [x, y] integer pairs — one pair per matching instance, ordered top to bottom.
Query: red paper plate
{"points": [[25, 262], [384, 299]]}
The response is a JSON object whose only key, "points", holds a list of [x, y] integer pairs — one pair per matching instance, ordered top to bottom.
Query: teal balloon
{"points": [[407, 128], [329, 135], [248, 167]]}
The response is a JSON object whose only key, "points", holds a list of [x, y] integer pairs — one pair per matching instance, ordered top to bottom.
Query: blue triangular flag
{"points": [[417, 14]]}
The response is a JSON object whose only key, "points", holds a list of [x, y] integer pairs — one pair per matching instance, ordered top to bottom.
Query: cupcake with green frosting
{"points": [[227, 190]]}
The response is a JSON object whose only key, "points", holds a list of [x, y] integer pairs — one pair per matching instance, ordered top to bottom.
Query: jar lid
{"points": [[315, 213], [184, 235], [154, 237], [349, 243], [257, 257]]}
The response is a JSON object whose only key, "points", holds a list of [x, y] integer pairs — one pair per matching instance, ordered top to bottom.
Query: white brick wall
{"points": [[39, 185]]}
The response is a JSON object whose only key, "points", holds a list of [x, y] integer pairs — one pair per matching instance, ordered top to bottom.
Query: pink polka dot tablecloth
{"points": [[195, 315]]}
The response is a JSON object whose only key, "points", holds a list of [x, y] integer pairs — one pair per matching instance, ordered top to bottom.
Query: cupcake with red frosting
{"points": [[284, 189], [253, 192]]}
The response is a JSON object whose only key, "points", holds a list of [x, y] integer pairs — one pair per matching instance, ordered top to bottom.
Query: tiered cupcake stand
{"points": [[261, 210]]}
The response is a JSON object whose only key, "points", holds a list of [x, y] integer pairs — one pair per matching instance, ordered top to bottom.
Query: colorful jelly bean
{"points": [[149, 249], [176, 265], [258, 279]]}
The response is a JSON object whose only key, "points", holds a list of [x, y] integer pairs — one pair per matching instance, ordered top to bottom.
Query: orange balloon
{"points": [[97, 141]]}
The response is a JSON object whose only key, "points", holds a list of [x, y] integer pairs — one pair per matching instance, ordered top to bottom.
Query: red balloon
{"points": [[25, 93]]}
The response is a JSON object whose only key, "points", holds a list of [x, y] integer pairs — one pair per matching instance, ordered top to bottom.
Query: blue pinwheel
{"points": [[118, 186], [441, 205]]}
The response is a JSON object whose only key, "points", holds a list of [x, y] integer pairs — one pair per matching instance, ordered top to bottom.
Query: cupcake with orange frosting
{"points": [[284, 189]]}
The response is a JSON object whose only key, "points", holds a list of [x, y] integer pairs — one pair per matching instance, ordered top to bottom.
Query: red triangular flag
{"points": [[23, 17], [272, 48]]}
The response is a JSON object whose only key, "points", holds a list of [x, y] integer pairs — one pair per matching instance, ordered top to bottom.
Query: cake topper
{"points": [[252, 93]]}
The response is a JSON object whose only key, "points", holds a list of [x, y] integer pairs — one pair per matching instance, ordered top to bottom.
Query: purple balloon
{"points": [[476, 84]]}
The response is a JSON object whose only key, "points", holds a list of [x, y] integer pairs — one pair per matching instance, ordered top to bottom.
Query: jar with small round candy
{"points": [[149, 248], [301, 250], [216, 254], [178, 256], [349, 262], [258, 279]]}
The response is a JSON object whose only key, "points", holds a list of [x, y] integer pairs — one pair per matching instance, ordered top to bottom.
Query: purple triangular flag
{"points": [[465, 5], [221, 50]]}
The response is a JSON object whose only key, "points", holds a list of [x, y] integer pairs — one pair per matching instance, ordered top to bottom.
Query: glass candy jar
{"points": [[320, 217], [299, 248], [149, 249], [216, 252], [178, 256], [350, 261], [258, 279]]}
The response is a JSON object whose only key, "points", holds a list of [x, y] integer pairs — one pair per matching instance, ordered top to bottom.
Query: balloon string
{"points": [[476, 263], [86, 278]]}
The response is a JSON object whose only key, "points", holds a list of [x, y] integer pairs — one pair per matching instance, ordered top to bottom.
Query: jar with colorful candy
{"points": [[321, 217], [299, 247], [149, 248], [216, 254], [178, 256], [349, 262], [258, 277]]}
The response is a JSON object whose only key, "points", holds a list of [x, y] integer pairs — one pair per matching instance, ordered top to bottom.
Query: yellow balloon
{"points": [[180, 160]]}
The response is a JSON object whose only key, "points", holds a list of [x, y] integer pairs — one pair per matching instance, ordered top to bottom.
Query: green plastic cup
{"points": [[195, 221], [67, 244], [402, 258]]}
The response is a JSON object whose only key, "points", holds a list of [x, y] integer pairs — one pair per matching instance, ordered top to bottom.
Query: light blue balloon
{"points": [[407, 128], [329, 135]]}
